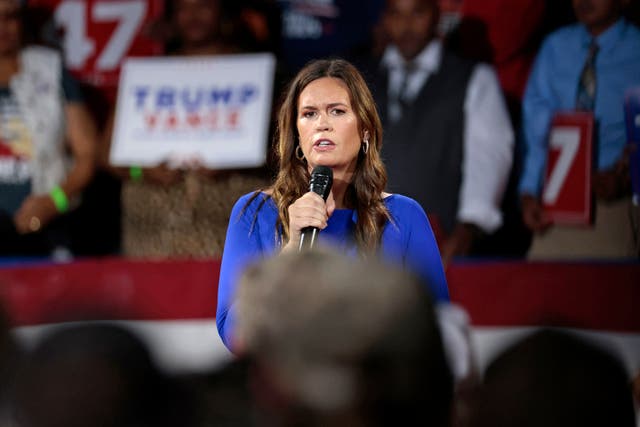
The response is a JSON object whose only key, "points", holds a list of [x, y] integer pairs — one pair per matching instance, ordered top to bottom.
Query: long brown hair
{"points": [[364, 193]]}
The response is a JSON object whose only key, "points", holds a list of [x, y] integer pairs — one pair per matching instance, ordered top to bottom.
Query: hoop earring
{"points": [[365, 146], [299, 154]]}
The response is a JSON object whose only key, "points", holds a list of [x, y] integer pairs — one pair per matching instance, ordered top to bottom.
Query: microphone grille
{"points": [[321, 181]]}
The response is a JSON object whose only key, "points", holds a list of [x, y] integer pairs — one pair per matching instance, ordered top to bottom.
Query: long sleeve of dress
{"points": [[242, 246], [420, 252], [424, 257]]}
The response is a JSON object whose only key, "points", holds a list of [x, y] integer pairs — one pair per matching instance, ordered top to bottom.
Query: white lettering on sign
{"points": [[79, 47], [567, 141]]}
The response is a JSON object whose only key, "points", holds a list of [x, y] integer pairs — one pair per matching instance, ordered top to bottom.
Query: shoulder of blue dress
{"points": [[253, 198], [395, 202], [250, 203], [403, 210]]}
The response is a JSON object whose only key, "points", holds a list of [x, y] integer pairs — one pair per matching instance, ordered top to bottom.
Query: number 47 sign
{"points": [[99, 34], [566, 196]]}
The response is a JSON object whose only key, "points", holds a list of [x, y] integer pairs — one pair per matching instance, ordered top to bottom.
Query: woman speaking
{"points": [[329, 119]]}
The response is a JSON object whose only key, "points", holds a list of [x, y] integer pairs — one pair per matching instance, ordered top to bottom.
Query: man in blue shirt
{"points": [[553, 86]]}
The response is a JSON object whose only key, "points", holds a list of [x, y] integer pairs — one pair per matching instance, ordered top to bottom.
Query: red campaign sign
{"points": [[97, 35], [566, 196]]}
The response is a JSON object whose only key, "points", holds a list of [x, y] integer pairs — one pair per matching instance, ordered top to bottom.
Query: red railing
{"points": [[600, 296]]}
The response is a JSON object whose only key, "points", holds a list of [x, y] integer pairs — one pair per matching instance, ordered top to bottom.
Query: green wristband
{"points": [[135, 172], [59, 199]]}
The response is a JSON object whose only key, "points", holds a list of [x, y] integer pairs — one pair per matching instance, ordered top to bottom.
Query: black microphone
{"points": [[320, 183]]}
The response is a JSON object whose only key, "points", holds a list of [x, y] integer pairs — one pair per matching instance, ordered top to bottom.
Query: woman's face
{"points": [[9, 27], [328, 126]]}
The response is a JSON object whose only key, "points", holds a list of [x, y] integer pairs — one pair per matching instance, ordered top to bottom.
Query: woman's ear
{"points": [[365, 136]]}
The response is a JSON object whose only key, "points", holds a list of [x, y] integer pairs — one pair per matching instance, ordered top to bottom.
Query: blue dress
{"points": [[408, 241]]}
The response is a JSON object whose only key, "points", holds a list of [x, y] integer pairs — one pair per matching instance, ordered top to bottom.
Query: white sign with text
{"points": [[214, 110]]}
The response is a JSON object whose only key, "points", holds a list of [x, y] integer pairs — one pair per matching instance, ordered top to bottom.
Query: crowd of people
{"points": [[465, 118]]}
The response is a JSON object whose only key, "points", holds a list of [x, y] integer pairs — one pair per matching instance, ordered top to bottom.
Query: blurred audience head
{"points": [[598, 15], [198, 23], [411, 24], [10, 27], [209, 27], [344, 341], [92, 375], [555, 379]]}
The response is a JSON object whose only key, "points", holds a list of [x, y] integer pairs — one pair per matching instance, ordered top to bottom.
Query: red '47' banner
{"points": [[96, 35]]}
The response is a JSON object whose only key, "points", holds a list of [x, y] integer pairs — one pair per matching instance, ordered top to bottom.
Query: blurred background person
{"points": [[256, 24], [201, 27], [314, 29], [504, 33], [507, 34], [604, 48], [328, 118], [448, 138], [47, 143], [183, 211], [342, 342], [555, 379]]}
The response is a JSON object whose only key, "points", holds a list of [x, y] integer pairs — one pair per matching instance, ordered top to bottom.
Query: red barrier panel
{"points": [[110, 288], [591, 296], [600, 296]]}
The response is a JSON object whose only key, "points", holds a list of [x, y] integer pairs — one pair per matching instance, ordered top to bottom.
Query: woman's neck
{"points": [[342, 177], [339, 191]]}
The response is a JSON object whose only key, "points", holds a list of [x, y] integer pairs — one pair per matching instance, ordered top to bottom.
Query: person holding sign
{"points": [[586, 67], [41, 119], [328, 119], [181, 208]]}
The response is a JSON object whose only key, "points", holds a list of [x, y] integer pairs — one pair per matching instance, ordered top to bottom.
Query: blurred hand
{"points": [[194, 166], [162, 175], [615, 182], [310, 210], [34, 213], [533, 215], [460, 241]]}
